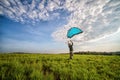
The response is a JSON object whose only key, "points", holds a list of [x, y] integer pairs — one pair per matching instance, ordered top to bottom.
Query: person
{"points": [[70, 45]]}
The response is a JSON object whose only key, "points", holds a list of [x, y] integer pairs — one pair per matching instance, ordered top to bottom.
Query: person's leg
{"points": [[71, 54]]}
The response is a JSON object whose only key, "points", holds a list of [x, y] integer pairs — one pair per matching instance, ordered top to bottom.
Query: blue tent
{"points": [[73, 31]]}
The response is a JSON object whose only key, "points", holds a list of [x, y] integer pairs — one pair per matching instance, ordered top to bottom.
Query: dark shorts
{"points": [[71, 48]]}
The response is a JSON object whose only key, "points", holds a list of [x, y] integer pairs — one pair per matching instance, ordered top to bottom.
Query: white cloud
{"points": [[6, 2], [30, 12], [94, 17]]}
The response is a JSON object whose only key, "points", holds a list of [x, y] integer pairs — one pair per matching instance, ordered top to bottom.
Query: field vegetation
{"points": [[59, 67]]}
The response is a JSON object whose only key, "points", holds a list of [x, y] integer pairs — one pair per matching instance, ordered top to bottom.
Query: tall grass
{"points": [[59, 67]]}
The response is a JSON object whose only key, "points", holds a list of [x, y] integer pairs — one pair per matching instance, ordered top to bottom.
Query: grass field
{"points": [[59, 67]]}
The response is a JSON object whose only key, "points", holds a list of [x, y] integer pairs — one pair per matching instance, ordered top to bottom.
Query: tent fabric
{"points": [[73, 31]]}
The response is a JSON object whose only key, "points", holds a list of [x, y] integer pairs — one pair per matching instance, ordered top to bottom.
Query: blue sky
{"points": [[41, 25]]}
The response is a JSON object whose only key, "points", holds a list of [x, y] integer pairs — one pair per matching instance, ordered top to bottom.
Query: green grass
{"points": [[59, 67]]}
